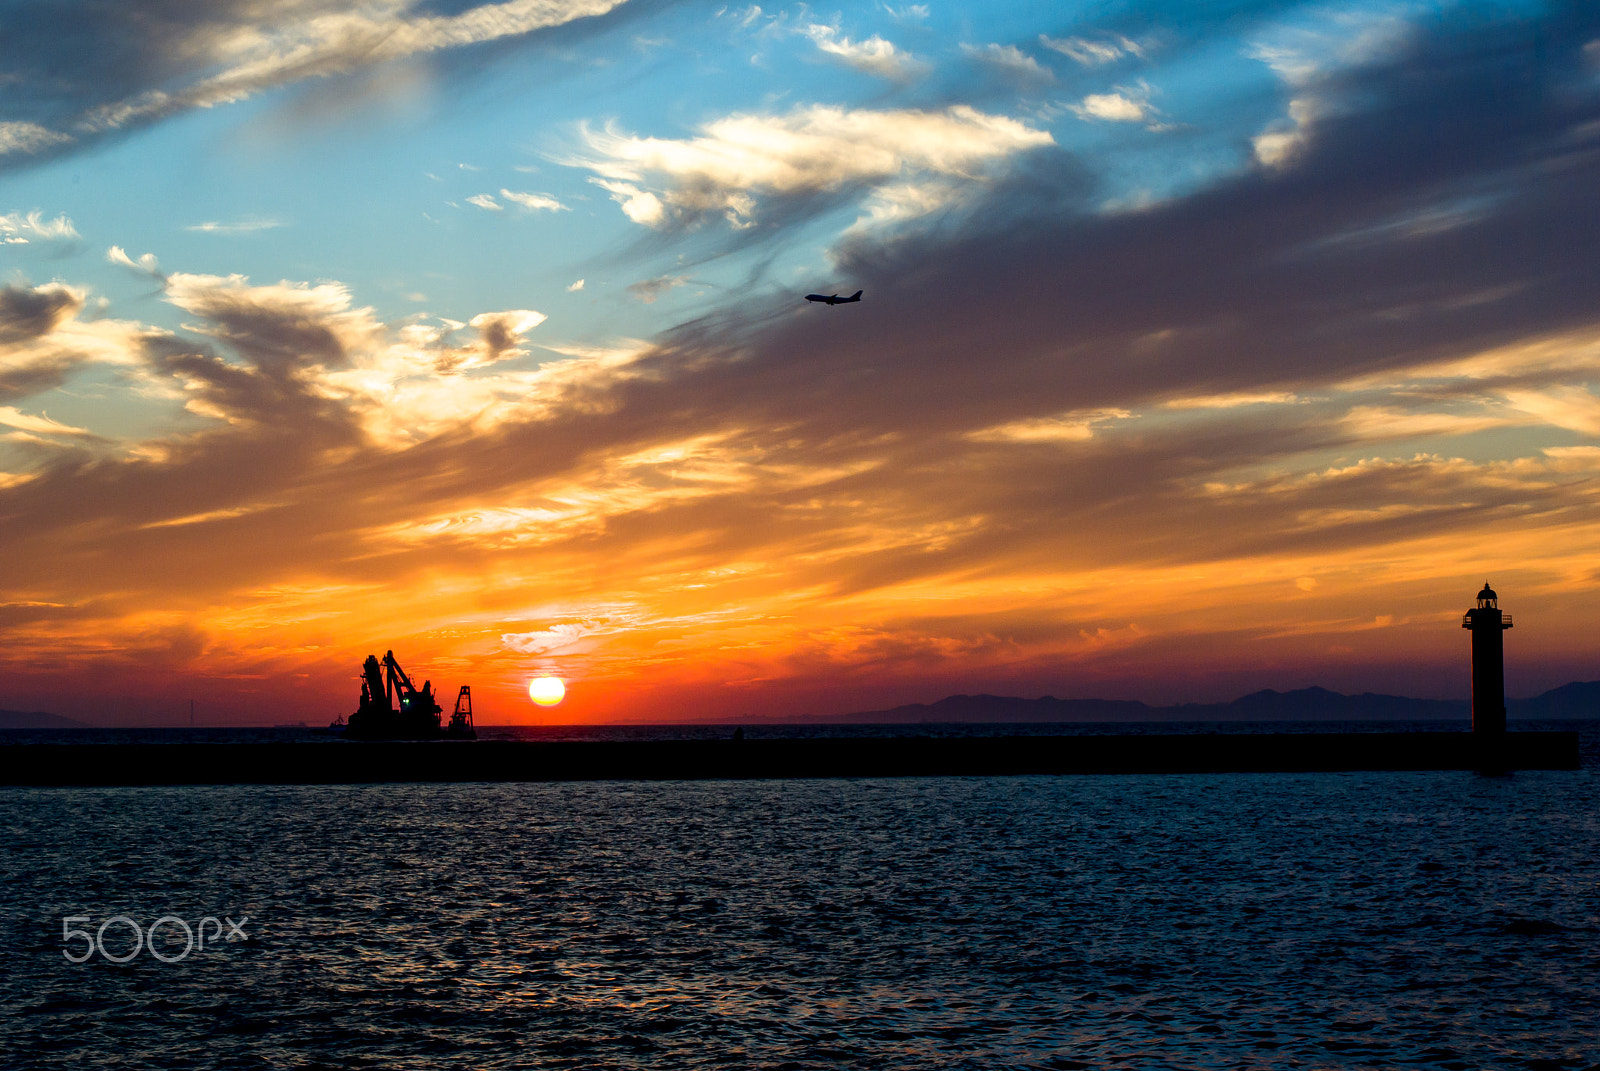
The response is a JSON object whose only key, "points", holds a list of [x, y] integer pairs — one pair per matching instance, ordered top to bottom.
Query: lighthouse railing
{"points": [[1466, 620]]}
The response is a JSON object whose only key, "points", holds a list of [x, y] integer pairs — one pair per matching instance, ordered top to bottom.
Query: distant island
{"points": [[1576, 700], [38, 719]]}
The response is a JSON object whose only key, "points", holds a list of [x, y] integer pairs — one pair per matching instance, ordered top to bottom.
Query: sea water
{"points": [[1351, 920]]}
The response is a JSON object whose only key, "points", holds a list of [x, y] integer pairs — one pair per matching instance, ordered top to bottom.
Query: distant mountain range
{"points": [[1576, 700], [37, 719]]}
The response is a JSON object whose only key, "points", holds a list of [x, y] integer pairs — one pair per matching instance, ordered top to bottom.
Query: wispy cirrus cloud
{"points": [[909, 13], [326, 41], [1093, 52], [874, 55], [1010, 61], [127, 67], [29, 138], [812, 150], [528, 202], [534, 202], [243, 226], [17, 228], [146, 264], [647, 291], [1574, 407], [13, 418], [554, 638]]}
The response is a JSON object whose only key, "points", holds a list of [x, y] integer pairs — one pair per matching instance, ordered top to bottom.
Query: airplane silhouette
{"points": [[834, 299]]}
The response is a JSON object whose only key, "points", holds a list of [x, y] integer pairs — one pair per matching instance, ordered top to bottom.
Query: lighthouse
{"points": [[1488, 662]]}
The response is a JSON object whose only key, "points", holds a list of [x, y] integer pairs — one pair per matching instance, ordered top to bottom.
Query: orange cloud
{"points": [[1055, 449]]}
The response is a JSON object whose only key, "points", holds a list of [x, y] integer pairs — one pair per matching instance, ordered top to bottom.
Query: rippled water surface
{"points": [[1434, 920]]}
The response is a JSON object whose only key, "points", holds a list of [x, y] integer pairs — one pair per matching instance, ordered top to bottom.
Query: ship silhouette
{"points": [[393, 708]]}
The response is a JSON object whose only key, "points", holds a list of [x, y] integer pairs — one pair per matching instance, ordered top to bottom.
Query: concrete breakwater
{"points": [[486, 761]]}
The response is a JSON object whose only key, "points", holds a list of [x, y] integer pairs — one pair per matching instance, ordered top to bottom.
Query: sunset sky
{"points": [[1204, 348]]}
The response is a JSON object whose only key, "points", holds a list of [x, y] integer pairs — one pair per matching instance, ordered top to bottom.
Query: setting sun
{"points": [[547, 691]]}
